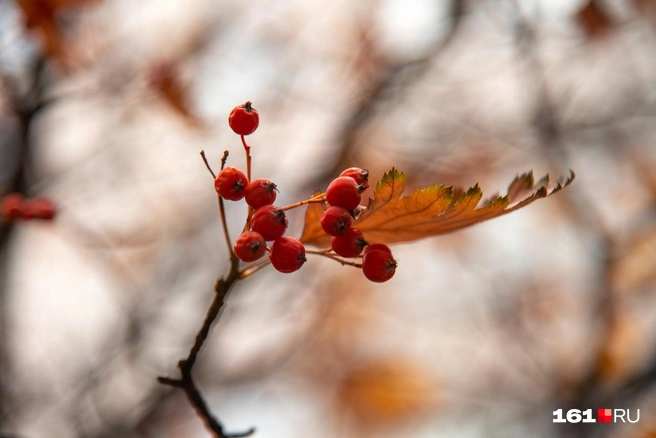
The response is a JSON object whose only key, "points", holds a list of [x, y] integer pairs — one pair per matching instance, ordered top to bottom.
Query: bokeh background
{"points": [[104, 106]]}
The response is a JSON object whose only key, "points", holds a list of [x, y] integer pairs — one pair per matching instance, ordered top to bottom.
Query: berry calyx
{"points": [[244, 119], [361, 176], [231, 183], [260, 192], [344, 192], [11, 206], [270, 221], [336, 221], [350, 244], [250, 246], [377, 247], [287, 255], [378, 265]]}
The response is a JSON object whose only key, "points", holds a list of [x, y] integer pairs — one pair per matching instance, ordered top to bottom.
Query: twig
{"points": [[224, 159], [207, 164], [314, 200], [224, 223], [327, 254], [251, 269], [186, 382]]}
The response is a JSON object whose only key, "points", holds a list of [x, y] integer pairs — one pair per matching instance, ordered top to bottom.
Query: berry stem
{"points": [[247, 148], [207, 164], [314, 200], [226, 233], [326, 253], [252, 268]]}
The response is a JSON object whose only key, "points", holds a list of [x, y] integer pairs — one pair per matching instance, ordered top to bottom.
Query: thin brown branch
{"points": [[224, 159], [207, 164], [314, 200], [224, 222], [341, 261], [251, 269], [222, 287], [185, 382]]}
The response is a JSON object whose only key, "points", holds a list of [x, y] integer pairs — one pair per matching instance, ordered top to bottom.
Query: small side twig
{"points": [[224, 159], [207, 164], [313, 200], [327, 254], [251, 269]]}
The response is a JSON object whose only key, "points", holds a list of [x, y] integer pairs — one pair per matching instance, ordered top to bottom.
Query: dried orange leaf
{"points": [[40, 17], [593, 19], [164, 77], [432, 211], [387, 390]]}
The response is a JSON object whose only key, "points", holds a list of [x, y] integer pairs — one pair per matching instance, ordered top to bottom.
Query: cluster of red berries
{"points": [[343, 195], [15, 206], [268, 223]]}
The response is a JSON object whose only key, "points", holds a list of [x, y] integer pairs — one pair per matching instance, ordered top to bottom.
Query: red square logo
{"points": [[605, 415]]}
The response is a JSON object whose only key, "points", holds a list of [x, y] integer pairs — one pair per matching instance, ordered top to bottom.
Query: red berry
{"points": [[244, 119], [361, 176], [231, 183], [260, 192], [343, 192], [11, 206], [42, 208], [27, 211], [270, 221], [336, 221], [350, 244], [250, 246], [377, 247], [287, 255], [378, 265]]}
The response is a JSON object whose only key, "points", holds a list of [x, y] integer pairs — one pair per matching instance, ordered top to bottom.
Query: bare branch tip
{"points": [[224, 158], [207, 164], [175, 383], [249, 432]]}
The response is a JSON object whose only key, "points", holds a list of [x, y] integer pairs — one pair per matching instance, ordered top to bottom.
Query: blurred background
{"points": [[104, 106]]}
